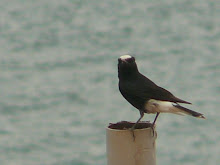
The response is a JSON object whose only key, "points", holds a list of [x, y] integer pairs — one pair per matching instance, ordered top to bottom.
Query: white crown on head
{"points": [[126, 56]]}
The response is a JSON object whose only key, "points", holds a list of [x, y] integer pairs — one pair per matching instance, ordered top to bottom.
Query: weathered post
{"points": [[123, 149]]}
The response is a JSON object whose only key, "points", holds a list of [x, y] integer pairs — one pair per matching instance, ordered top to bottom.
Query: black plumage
{"points": [[144, 94]]}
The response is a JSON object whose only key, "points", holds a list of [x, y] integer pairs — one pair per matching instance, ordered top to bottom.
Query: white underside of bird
{"points": [[155, 106]]}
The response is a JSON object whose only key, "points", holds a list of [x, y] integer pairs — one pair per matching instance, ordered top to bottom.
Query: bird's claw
{"points": [[153, 130], [132, 132]]}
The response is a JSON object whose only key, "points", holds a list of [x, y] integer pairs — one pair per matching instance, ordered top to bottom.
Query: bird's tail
{"points": [[182, 110]]}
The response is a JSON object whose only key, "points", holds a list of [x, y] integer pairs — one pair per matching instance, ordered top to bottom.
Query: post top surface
{"points": [[124, 125]]}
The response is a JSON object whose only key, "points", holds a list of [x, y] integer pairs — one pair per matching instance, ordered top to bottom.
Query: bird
{"points": [[145, 95]]}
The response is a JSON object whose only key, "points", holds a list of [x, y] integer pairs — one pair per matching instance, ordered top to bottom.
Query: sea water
{"points": [[59, 84]]}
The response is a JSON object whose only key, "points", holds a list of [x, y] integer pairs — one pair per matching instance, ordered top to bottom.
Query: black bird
{"points": [[145, 95]]}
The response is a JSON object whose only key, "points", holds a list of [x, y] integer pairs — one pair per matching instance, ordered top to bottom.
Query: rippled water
{"points": [[58, 76]]}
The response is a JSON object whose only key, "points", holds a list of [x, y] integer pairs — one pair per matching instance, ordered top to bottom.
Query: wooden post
{"points": [[122, 149]]}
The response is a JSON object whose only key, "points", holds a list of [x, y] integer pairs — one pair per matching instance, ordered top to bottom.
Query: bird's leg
{"points": [[155, 122], [133, 127]]}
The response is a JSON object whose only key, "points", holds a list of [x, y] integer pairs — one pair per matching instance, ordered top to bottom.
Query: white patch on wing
{"points": [[124, 57], [154, 106]]}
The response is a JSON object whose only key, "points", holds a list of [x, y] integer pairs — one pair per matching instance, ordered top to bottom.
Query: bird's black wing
{"points": [[142, 89], [152, 91], [162, 94]]}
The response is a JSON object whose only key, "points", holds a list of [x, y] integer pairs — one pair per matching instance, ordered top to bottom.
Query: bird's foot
{"points": [[153, 129], [132, 132]]}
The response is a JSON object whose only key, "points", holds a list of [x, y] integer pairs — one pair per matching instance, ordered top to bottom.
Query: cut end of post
{"points": [[124, 125], [123, 149]]}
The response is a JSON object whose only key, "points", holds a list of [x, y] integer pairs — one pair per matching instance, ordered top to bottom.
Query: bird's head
{"points": [[127, 66]]}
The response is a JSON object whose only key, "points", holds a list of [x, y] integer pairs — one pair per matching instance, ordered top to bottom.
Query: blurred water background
{"points": [[58, 77]]}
